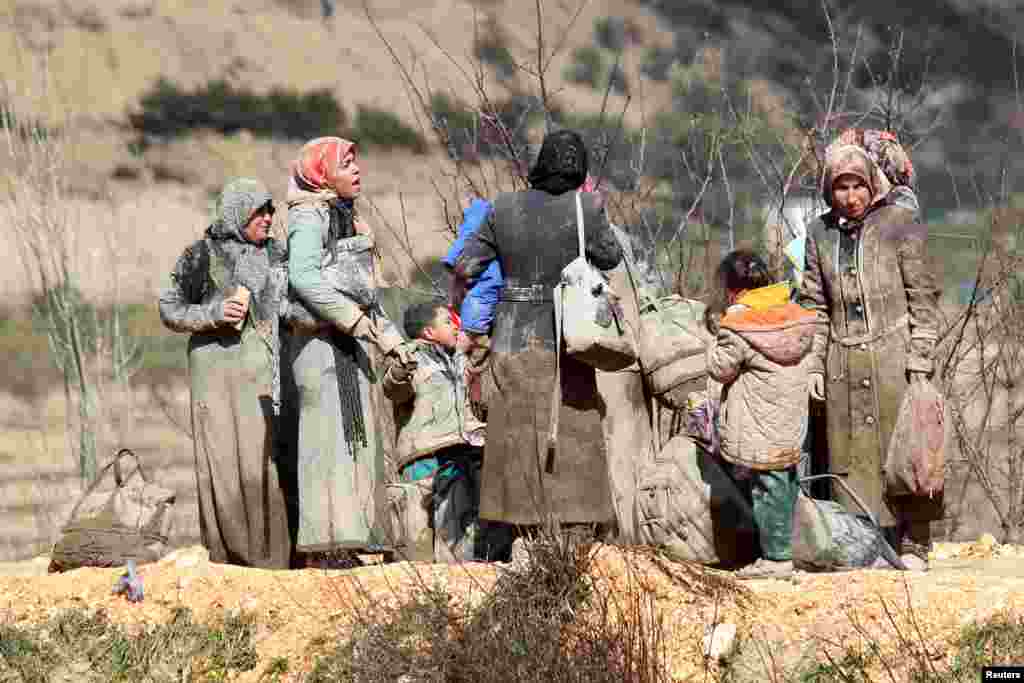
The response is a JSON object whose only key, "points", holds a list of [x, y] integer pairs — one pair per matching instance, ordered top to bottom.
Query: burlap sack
{"points": [[409, 509], [108, 527]]}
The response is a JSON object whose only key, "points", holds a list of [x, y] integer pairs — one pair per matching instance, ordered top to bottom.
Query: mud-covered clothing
{"points": [[533, 235], [875, 292], [480, 300], [757, 356], [234, 382], [431, 407], [627, 421], [340, 450]]}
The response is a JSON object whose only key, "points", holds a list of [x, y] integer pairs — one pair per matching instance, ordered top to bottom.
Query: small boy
{"points": [[475, 300], [761, 341], [438, 436]]}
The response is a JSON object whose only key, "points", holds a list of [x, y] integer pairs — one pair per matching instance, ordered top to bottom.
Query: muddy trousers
{"points": [[773, 496], [912, 532]]}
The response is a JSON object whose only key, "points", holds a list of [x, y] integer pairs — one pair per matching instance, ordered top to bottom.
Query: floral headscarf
{"points": [[885, 150], [875, 156], [841, 159], [318, 160]]}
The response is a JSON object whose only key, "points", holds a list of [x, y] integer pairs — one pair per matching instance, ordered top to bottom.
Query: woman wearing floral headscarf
{"points": [[533, 235], [868, 276], [337, 327], [233, 360]]}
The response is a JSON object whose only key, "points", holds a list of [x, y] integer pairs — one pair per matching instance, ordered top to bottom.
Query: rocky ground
{"points": [[779, 624]]}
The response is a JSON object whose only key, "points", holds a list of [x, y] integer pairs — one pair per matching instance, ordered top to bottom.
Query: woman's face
{"points": [[346, 181], [851, 196], [257, 230]]}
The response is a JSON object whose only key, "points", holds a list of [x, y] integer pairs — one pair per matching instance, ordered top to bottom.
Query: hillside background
{"points": [[89, 71]]}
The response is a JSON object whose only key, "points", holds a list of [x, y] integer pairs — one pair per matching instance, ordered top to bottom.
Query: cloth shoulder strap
{"points": [[579, 226], [556, 391]]}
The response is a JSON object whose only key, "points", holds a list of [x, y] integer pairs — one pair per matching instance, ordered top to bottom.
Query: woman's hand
{"points": [[232, 311], [816, 386]]}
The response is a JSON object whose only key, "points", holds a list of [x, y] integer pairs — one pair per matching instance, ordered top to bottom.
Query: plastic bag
{"points": [[916, 461]]}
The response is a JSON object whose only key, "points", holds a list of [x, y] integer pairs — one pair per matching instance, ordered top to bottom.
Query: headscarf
{"points": [[885, 150], [847, 159], [318, 160], [562, 163], [885, 166]]}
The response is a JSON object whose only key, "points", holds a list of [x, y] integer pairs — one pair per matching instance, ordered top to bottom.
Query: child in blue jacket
{"points": [[475, 300]]}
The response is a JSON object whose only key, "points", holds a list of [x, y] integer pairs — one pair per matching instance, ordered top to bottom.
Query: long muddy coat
{"points": [[533, 235], [875, 291], [233, 384]]}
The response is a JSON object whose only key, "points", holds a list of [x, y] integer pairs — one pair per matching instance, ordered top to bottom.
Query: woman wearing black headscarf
{"points": [[533, 235]]}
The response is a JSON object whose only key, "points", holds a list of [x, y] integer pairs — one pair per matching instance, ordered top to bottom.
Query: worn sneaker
{"points": [[766, 569]]}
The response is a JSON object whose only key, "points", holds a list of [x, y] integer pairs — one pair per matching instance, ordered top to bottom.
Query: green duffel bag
{"points": [[672, 348]]}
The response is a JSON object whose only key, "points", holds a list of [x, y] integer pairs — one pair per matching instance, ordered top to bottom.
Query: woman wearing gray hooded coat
{"points": [[233, 358]]}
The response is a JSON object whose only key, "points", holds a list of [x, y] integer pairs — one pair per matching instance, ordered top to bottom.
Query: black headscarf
{"points": [[562, 163]]}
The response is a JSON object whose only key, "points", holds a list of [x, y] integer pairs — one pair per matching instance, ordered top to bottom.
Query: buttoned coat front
{"points": [[875, 293]]}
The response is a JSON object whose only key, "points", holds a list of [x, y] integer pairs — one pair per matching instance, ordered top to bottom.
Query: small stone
{"points": [[987, 541], [720, 641]]}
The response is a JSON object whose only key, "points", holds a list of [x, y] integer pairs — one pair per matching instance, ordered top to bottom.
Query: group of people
{"points": [[292, 362]]}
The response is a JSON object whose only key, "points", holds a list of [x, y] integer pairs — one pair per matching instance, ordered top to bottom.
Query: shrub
{"points": [[610, 33], [491, 47], [656, 63], [588, 67], [167, 111], [384, 129], [469, 134], [544, 620], [89, 645]]}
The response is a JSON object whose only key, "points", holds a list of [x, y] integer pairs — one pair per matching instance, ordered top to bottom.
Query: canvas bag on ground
{"points": [[592, 324], [672, 348], [916, 460], [690, 507], [409, 509], [108, 527], [826, 537]]}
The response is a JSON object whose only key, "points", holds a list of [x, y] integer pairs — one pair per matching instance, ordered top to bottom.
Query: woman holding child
{"points": [[533, 235], [868, 276], [336, 329]]}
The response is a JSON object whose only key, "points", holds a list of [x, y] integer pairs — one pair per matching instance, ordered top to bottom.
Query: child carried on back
{"points": [[761, 341], [438, 435]]}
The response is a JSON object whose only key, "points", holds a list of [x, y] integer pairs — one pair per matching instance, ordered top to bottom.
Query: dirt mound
{"points": [[779, 622]]}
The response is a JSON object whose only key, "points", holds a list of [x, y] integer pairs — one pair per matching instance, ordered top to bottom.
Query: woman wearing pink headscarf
{"points": [[868, 276], [337, 328]]}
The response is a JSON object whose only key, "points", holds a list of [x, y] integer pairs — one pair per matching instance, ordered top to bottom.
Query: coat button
{"points": [[865, 382], [870, 420]]}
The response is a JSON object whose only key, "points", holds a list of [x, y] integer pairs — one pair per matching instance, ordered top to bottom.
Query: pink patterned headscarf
{"points": [[318, 161]]}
